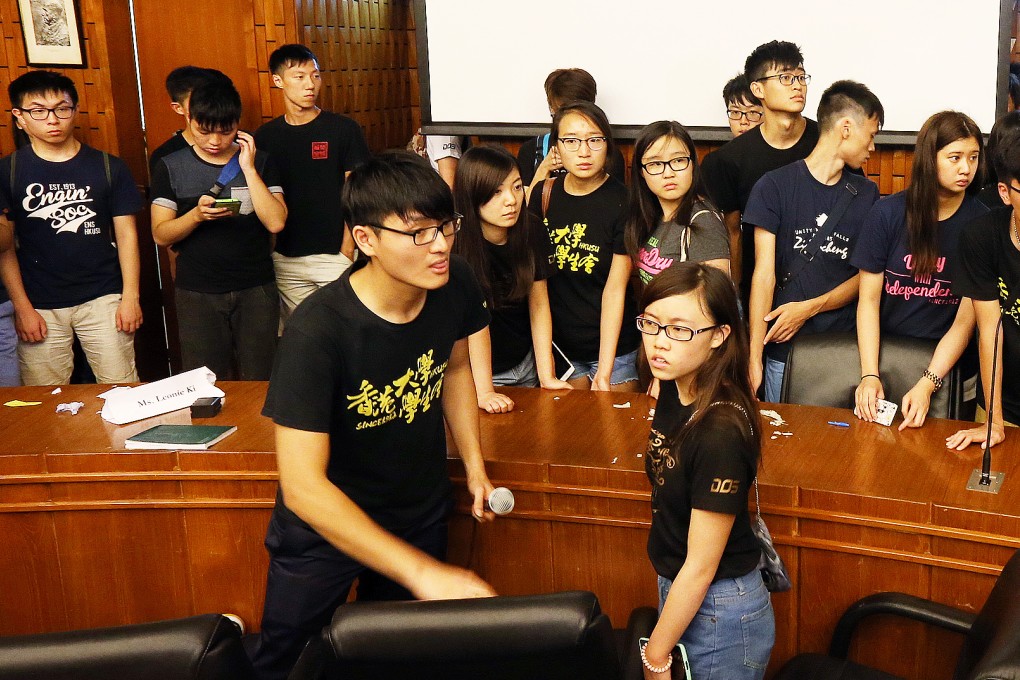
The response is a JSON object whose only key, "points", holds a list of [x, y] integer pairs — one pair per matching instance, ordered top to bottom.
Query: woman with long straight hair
{"points": [[584, 213], [669, 217], [905, 255], [510, 259], [703, 452]]}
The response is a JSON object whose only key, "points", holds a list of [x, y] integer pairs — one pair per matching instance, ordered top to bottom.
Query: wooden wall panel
{"points": [[364, 47]]}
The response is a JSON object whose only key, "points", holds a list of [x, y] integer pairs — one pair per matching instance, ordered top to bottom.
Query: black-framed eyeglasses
{"points": [[788, 78], [42, 113], [751, 116], [574, 144], [677, 164], [1013, 188], [426, 235], [673, 332]]}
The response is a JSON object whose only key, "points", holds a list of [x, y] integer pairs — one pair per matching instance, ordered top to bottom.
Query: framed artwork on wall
{"points": [[52, 33]]}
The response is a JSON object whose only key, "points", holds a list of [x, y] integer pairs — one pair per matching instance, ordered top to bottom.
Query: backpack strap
{"points": [[547, 187]]}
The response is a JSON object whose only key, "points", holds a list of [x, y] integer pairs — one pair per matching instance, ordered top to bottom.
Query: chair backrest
{"points": [[824, 370], [559, 635], [206, 647], [992, 648]]}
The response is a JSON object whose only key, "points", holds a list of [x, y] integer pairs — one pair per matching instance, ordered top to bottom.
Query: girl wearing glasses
{"points": [[584, 214], [669, 218], [905, 255], [511, 262], [703, 450]]}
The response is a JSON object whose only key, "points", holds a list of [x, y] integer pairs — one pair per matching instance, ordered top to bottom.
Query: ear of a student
{"points": [[178, 109], [364, 239], [719, 335]]}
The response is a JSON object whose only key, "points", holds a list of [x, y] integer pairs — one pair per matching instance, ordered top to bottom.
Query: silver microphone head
{"points": [[501, 500]]}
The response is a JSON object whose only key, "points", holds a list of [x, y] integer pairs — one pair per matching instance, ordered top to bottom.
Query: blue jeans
{"points": [[624, 369], [10, 372], [523, 374], [773, 379], [731, 636]]}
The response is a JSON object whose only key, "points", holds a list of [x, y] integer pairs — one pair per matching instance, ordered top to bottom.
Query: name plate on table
{"points": [[162, 396]]}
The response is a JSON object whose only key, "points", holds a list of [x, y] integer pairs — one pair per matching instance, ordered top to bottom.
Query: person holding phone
{"points": [[584, 213], [510, 259], [228, 307], [703, 451]]}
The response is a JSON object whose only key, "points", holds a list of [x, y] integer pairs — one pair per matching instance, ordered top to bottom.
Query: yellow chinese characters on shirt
{"points": [[570, 250], [413, 392]]}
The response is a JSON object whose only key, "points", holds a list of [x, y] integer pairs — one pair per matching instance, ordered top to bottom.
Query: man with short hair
{"points": [[775, 73], [180, 83], [743, 109], [314, 151], [807, 216], [76, 269], [989, 273], [228, 309], [369, 369]]}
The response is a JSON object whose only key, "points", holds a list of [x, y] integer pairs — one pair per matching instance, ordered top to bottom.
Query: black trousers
{"points": [[309, 578]]}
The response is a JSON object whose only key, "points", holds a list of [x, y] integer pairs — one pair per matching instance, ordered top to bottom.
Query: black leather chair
{"points": [[824, 370], [532, 637], [206, 647], [991, 648]]}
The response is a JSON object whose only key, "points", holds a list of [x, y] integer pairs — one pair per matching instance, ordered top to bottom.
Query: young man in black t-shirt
{"points": [[776, 75], [314, 151], [76, 269], [989, 274], [228, 309], [369, 369]]}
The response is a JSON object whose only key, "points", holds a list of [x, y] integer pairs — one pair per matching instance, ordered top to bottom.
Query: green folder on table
{"points": [[180, 437]]}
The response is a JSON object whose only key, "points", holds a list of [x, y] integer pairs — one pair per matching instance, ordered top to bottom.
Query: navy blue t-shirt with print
{"points": [[791, 204], [63, 218], [585, 232], [911, 307], [376, 388]]}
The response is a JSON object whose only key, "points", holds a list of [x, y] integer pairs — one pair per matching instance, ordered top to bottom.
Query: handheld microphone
{"points": [[501, 500]]}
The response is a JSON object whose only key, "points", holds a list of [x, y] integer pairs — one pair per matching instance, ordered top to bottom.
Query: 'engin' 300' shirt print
{"points": [[67, 207]]}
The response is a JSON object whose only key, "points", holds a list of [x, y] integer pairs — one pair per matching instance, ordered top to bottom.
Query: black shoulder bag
{"points": [[807, 255]]}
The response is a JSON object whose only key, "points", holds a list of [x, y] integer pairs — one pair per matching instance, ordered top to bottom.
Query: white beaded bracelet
{"points": [[655, 669]]}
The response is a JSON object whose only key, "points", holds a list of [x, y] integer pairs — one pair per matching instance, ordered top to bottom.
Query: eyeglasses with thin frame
{"points": [[788, 78], [42, 113], [751, 116], [573, 144], [678, 164], [1012, 188], [426, 235], [673, 332]]}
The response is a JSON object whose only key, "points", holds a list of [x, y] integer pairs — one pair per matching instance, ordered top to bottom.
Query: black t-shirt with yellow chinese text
{"points": [[585, 232], [375, 387], [712, 473]]}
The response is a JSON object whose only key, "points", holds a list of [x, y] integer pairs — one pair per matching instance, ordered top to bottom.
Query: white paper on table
{"points": [[162, 396]]}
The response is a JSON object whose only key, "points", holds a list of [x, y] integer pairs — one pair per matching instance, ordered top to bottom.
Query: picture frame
{"points": [[52, 33]]}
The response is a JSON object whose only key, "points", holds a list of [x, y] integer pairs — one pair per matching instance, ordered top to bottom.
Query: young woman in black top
{"points": [[584, 214], [511, 262], [703, 451]]}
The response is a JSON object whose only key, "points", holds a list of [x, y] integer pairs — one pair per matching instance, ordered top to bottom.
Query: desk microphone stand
{"points": [[983, 479]]}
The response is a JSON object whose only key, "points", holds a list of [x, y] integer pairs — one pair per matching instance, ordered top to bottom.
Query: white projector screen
{"points": [[482, 64]]}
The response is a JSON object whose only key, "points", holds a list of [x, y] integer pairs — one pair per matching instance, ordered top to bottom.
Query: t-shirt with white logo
{"points": [[63, 218]]}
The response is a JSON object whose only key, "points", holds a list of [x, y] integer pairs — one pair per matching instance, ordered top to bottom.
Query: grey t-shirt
{"points": [[704, 239]]}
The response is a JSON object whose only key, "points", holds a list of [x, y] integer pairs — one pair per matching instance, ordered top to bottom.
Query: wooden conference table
{"points": [[92, 535]]}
